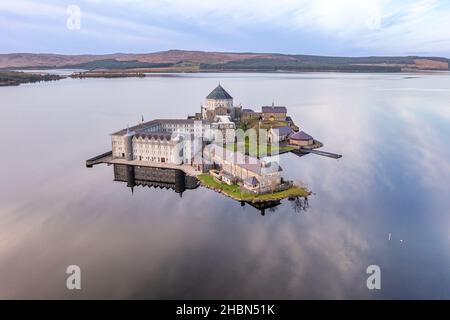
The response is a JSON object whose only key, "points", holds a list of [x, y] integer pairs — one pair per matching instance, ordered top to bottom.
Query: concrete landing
{"points": [[302, 151], [108, 159]]}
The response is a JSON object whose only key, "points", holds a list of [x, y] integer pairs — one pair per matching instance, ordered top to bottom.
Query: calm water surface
{"points": [[394, 178]]}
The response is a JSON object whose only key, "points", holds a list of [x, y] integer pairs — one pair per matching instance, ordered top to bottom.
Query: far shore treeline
{"points": [[179, 61], [200, 61]]}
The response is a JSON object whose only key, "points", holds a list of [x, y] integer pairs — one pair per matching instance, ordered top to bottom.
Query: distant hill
{"points": [[200, 61]]}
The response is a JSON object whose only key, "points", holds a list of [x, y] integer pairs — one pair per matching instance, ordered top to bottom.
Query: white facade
{"points": [[212, 105], [224, 129], [279, 134], [173, 141], [118, 146], [155, 150], [242, 167]]}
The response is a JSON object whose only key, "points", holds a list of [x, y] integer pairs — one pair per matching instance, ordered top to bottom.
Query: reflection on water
{"points": [[392, 180], [178, 181]]}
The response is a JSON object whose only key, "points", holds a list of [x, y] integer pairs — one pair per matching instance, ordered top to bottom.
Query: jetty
{"points": [[303, 151], [107, 158]]}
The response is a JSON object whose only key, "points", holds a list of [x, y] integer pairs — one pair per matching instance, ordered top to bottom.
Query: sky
{"points": [[322, 27]]}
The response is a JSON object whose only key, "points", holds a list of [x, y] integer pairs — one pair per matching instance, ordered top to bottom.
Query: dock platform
{"points": [[303, 151], [102, 158], [108, 159]]}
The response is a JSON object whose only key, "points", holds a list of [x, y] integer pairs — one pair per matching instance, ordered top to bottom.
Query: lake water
{"points": [[385, 203]]}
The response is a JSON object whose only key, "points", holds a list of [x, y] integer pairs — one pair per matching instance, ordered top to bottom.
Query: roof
{"points": [[219, 93], [274, 109], [248, 111], [224, 119], [180, 121], [149, 124], [137, 127], [283, 131], [154, 135], [301, 136], [244, 161], [271, 167], [228, 176], [252, 181]]}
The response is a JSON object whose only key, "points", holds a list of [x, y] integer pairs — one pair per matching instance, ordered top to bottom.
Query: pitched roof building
{"points": [[219, 93], [219, 103], [274, 109], [274, 113], [279, 133], [301, 136], [301, 139]]}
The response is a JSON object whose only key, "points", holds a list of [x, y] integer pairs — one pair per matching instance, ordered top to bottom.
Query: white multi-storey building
{"points": [[175, 141], [178, 141]]}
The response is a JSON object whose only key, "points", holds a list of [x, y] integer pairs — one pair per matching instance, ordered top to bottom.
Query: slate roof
{"points": [[219, 93], [274, 109], [224, 119], [180, 121], [151, 123], [136, 127], [283, 131], [154, 135], [302, 136], [244, 161], [272, 167], [228, 176], [252, 181]]}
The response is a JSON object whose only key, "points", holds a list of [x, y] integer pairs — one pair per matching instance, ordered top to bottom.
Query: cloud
{"points": [[325, 15], [49, 19], [351, 27], [421, 27]]}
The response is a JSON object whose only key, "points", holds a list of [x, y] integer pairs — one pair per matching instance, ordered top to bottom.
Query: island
{"points": [[106, 74], [14, 78], [229, 149]]}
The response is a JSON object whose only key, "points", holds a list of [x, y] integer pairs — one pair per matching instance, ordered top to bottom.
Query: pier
{"points": [[303, 151], [102, 158], [108, 159]]}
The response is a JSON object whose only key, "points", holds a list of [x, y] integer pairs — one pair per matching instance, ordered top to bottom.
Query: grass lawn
{"points": [[254, 123], [272, 124], [254, 150], [234, 190]]}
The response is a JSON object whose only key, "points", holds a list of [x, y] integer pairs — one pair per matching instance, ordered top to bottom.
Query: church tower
{"points": [[217, 103]]}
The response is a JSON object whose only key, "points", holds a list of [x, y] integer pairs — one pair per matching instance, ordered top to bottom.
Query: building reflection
{"points": [[175, 180], [178, 181], [271, 206]]}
